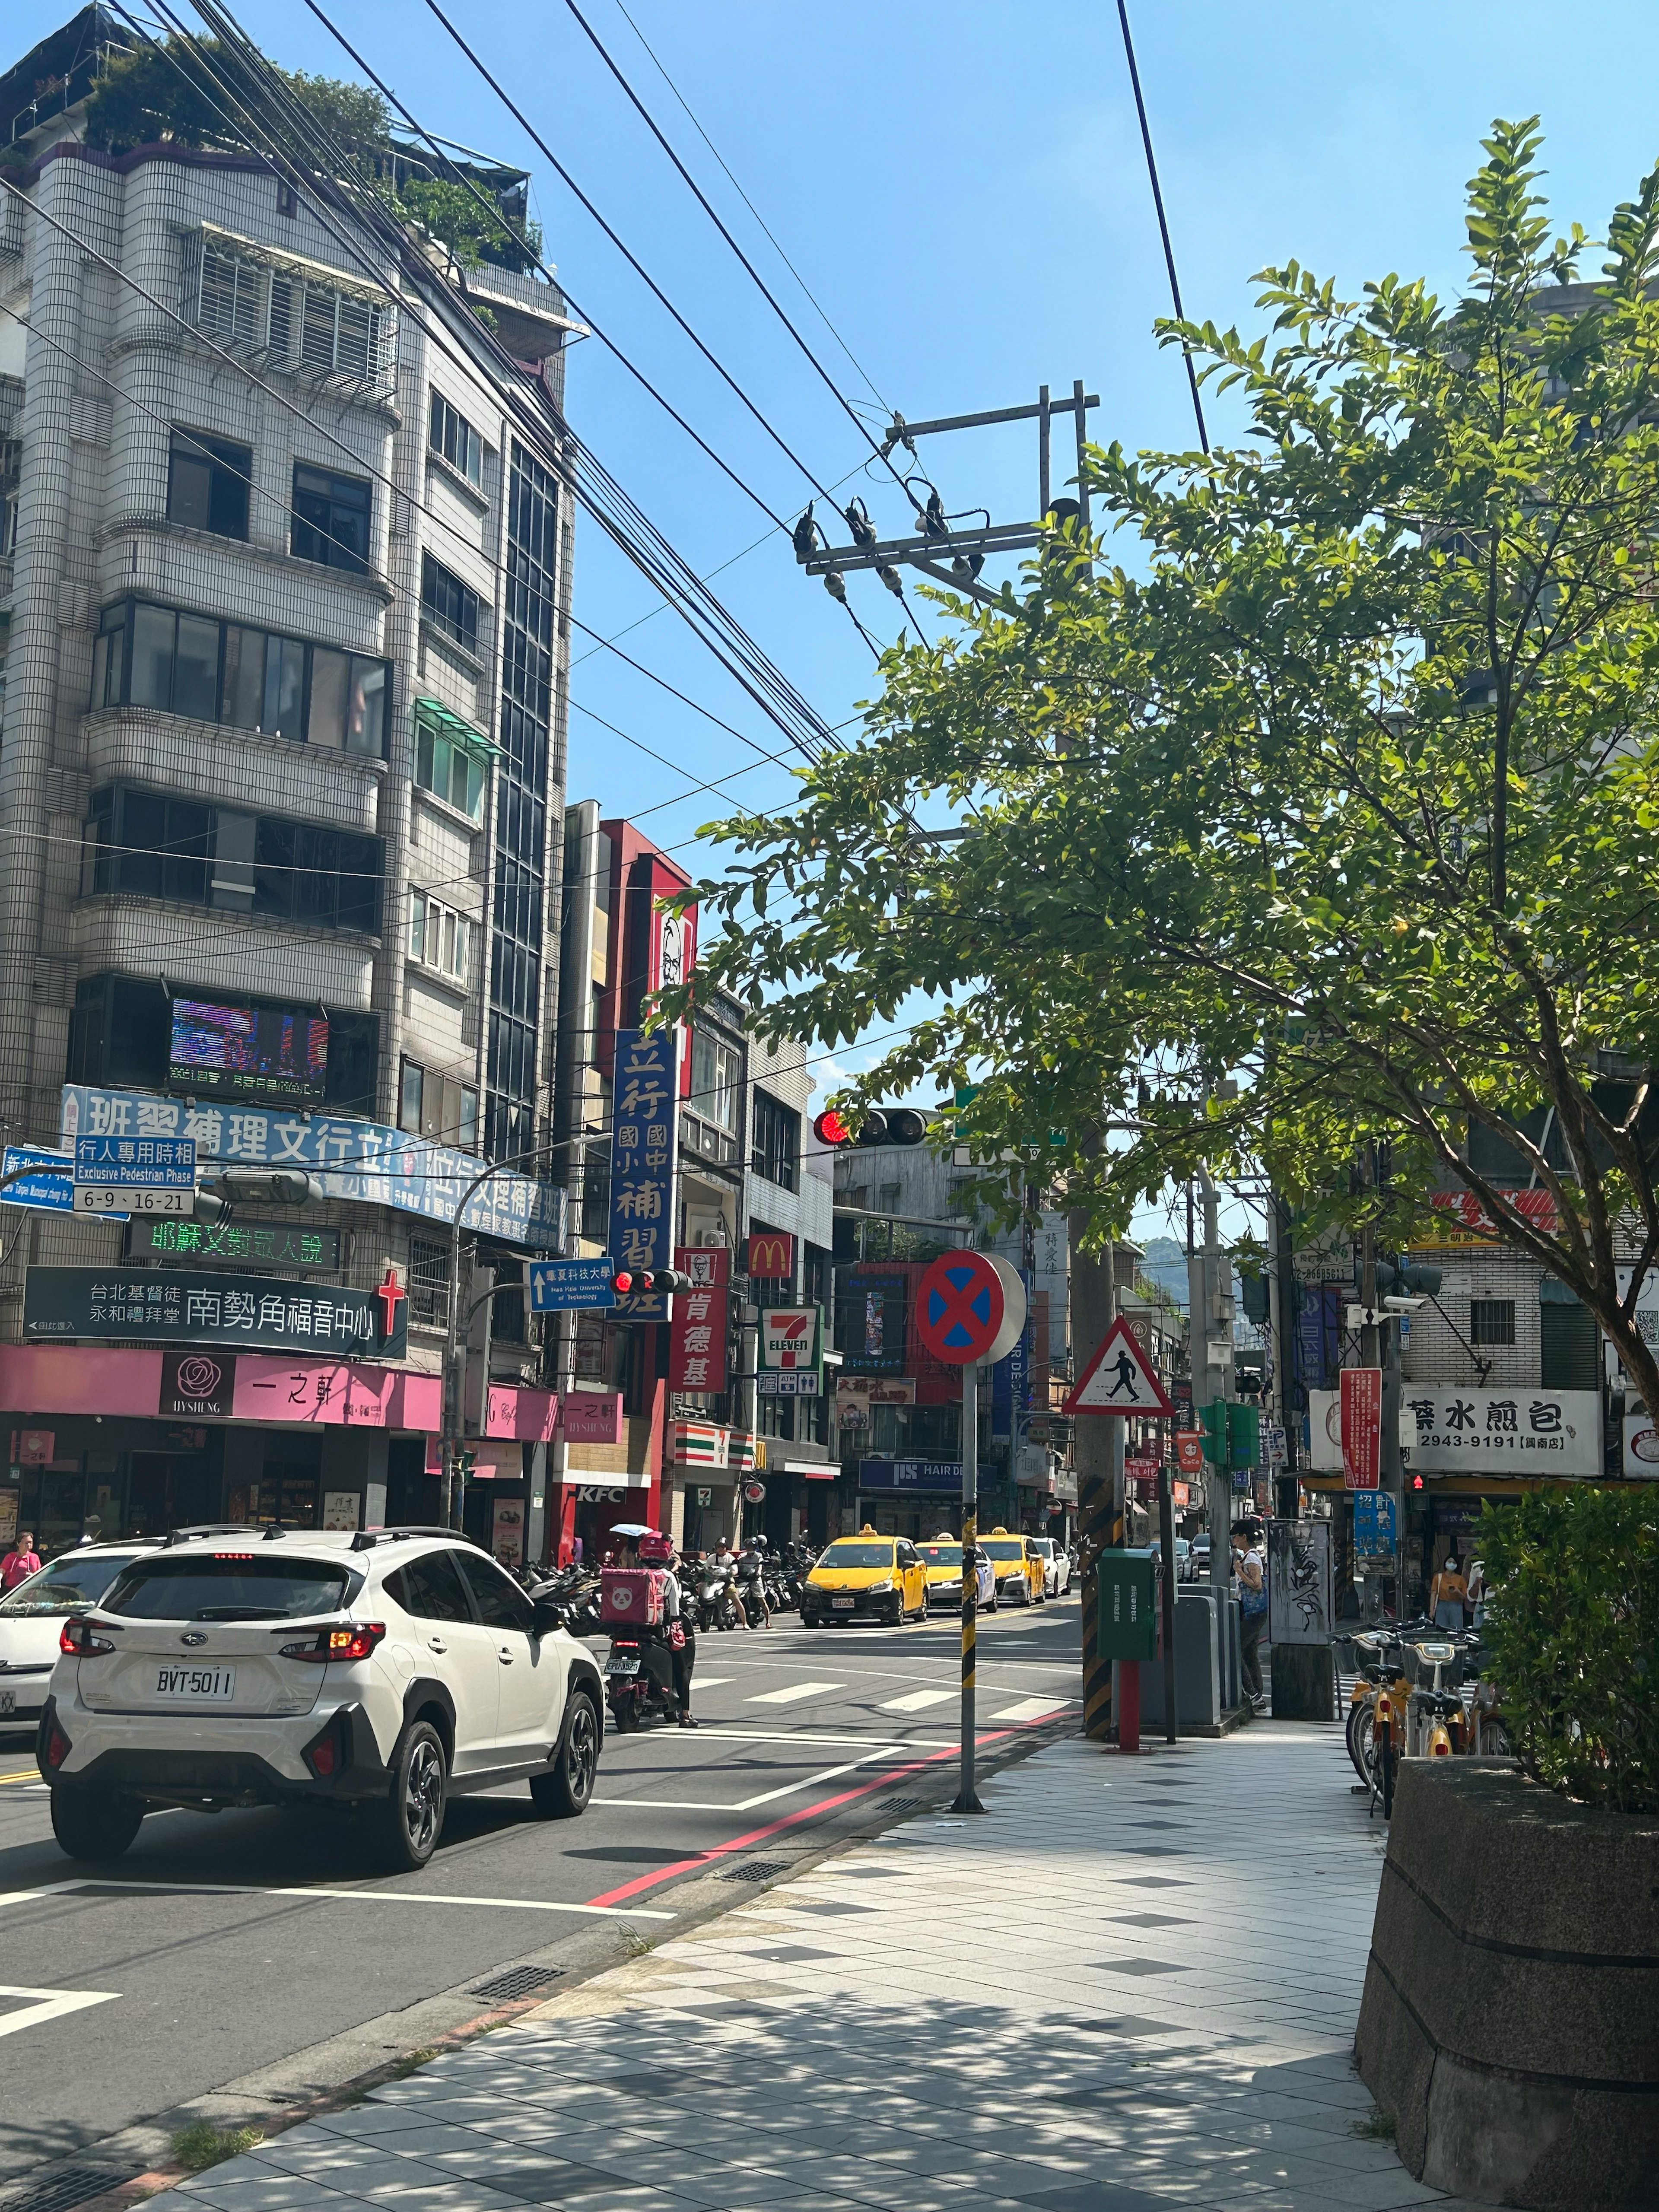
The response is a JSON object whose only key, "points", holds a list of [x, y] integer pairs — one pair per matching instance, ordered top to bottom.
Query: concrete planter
{"points": [[1510, 2020]]}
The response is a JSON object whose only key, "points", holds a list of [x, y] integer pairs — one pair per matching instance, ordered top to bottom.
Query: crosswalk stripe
{"points": [[712, 1681], [795, 1691], [918, 1700], [1033, 1708]]}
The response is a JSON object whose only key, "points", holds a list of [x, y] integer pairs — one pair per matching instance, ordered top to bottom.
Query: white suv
{"points": [[380, 1672]]}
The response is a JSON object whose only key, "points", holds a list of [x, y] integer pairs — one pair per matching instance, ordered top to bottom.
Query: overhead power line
{"points": [[1163, 220]]}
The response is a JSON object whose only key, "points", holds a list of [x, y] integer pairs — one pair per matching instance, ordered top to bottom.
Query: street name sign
{"points": [[50, 1185], [571, 1285], [1119, 1379]]}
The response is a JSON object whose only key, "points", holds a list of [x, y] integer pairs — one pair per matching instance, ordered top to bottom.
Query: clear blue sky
{"points": [[963, 188]]}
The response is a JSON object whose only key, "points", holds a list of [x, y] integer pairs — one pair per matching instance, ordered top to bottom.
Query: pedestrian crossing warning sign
{"points": [[1119, 1379]]}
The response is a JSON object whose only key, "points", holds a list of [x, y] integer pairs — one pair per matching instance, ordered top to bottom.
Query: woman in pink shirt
{"points": [[21, 1562]]}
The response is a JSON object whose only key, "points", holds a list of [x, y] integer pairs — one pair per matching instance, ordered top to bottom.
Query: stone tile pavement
{"points": [[1134, 1985]]}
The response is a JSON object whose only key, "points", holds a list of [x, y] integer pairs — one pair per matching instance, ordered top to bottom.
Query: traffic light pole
{"points": [[967, 1796]]}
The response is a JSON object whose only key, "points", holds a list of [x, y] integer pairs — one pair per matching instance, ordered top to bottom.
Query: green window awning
{"points": [[456, 728]]}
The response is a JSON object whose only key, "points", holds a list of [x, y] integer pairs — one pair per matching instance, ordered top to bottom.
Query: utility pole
{"points": [[937, 544], [1210, 1306], [1286, 1308], [1098, 1454]]}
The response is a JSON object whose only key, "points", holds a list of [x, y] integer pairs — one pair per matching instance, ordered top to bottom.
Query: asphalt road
{"points": [[221, 1947]]}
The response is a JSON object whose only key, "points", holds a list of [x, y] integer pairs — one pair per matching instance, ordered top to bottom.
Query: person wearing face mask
{"points": [[1251, 1569], [1448, 1594]]}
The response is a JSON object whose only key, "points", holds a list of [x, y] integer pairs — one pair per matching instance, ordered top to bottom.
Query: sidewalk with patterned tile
{"points": [[1133, 1984]]}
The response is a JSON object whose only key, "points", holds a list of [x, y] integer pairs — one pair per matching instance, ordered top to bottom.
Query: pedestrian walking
{"points": [[21, 1562], [1252, 1570], [1448, 1594]]}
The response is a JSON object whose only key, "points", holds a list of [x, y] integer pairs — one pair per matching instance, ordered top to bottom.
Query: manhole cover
{"points": [[755, 1870], [517, 1982], [71, 2185]]}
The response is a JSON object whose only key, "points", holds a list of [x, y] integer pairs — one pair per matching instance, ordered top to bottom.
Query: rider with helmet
{"points": [[682, 1629]]}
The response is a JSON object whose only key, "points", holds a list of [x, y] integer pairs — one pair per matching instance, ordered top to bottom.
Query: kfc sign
{"points": [[696, 1344]]}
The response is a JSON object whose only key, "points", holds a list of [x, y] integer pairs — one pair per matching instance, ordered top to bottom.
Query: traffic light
{"points": [[883, 1125], [643, 1281], [1415, 1281], [1253, 1289]]}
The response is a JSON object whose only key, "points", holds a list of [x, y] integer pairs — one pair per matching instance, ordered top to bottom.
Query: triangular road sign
{"points": [[1119, 1379]]}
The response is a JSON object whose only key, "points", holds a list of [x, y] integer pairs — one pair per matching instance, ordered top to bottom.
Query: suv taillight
{"points": [[79, 1638], [354, 1641], [59, 1746]]}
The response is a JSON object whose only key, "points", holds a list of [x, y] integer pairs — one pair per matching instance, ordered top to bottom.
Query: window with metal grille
{"points": [[241, 299], [451, 605], [776, 1141], [428, 1283], [1491, 1321]]}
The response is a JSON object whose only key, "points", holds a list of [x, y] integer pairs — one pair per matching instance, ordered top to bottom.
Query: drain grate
{"points": [[901, 1804], [757, 1870], [516, 1982], [69, 2185]]}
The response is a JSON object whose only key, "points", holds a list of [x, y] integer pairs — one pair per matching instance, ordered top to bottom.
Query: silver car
{"points": [[32, 1618]]}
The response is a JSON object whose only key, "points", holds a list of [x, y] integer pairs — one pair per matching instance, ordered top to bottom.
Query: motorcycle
{"points": [[751, 1589], [717, 1596], [640, 1679]]}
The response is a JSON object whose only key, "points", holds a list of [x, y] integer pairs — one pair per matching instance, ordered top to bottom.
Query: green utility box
{"points": [[1212, 1420], [1128, 1584]]}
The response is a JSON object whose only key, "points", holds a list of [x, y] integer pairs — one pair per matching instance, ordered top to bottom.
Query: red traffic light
{"points": [[882, 1125], [831, 1128], [622, 1283]]}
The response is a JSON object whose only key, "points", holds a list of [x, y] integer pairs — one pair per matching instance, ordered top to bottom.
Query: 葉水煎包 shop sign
{"points": [[1508, 1432]]}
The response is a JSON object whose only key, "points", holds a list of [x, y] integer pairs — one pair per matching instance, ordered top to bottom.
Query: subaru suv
{"points": [[381, 1673]]}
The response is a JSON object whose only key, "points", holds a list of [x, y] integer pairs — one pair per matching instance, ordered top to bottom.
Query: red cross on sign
{"points": [[391, 1294], [970, 1307]]}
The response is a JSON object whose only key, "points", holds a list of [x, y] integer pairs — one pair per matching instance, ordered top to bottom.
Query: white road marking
{"points": [[712, 1681], [793, 1694], [915, 1700], [1033, 1708], [809, 1739], [808, 1781], [658, 1805], [28, 1896], [357, 1896], [49, 2004]]}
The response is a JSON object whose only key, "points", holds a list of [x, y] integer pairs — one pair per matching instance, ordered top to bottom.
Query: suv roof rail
{"points": [[208, 1529], [366, 1539]]}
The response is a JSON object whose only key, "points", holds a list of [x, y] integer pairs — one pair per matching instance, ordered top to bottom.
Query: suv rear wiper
{"points": [[240, 1612]]}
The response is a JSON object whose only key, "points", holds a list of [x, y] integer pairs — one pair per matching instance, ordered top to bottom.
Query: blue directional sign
{"points": [[136, 1162], [52, 1190], [571, 1285]]}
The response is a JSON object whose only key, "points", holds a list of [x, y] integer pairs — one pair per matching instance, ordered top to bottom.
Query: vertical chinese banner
{"points": [[644, 1118], [696, 1344], [1362, 1427]]}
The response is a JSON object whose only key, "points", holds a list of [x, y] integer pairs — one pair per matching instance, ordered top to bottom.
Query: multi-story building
{"points": [[284, 559], [695, 1437]]}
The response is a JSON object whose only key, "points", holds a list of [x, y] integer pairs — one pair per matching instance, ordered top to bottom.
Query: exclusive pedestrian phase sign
{"points": [[117, 1176], [970, 1309], [1119, 1379]]}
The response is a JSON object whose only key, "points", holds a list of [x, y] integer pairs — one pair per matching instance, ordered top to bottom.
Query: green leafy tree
{"points": [[194, 92], [473, 233], [1344, 793]]}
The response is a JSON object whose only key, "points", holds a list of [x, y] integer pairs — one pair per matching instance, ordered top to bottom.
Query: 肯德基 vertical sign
{"points": [[643, 1126], [696, 1345], [1362, 1427]]}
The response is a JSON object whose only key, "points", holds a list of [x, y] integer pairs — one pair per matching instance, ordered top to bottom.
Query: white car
{"points": [[1056, 1565], [32, 1618], [381, 1673]]}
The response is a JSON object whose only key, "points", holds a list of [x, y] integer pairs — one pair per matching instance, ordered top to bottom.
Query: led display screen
{"points": [[275, 1053]]}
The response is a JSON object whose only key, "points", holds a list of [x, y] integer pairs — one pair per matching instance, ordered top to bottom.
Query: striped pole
{"points": [[967, 1796]]}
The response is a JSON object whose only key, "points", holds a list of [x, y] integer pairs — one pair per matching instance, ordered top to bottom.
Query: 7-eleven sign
{"points": [[789, 1336]]}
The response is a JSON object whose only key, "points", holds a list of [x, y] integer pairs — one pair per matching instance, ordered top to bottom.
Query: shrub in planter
{"points": [[1572, 1622]]}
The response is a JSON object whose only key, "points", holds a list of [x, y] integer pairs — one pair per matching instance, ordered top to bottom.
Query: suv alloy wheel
{"points": [[565, 1791], [411, 1819]]}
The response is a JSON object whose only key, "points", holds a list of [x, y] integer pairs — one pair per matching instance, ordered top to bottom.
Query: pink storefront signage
{"points": [[336, 1393], [528, 1416], [592, 1417]]}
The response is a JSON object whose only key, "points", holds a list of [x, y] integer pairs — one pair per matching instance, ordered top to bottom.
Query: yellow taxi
{"points": [[941, 1557], [866, 1577], [1021, 1579]]}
